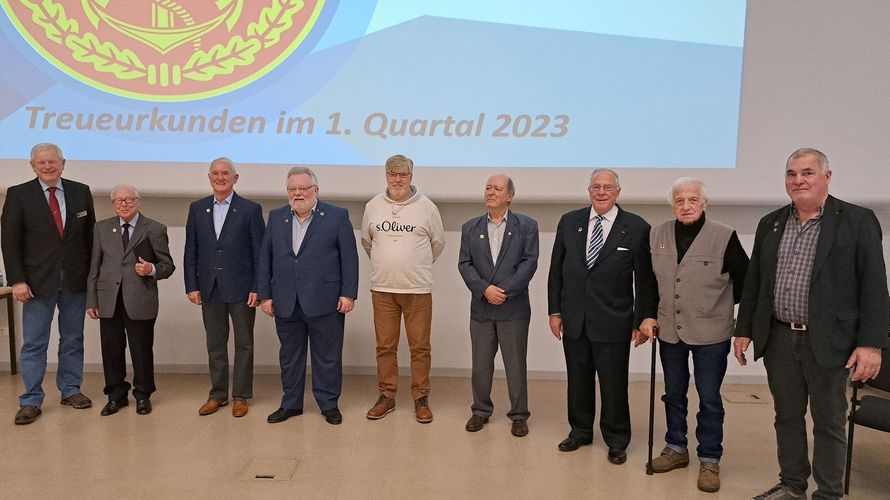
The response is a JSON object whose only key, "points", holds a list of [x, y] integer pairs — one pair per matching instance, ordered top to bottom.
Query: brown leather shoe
{"points": [[77, 401], [211, 407], [239, 407], [381, 408], [422, 411], [26, 415], [519, 428], [669, 460], [709, 477]]}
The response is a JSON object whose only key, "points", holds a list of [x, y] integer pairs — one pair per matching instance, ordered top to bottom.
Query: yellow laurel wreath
{"points": [[221, 59]]}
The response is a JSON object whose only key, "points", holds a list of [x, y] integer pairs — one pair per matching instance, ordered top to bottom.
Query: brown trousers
{"points": [[418, 312]]}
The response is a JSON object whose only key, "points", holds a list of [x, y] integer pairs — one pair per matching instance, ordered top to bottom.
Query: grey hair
{"points": [[43, 146], [820, 157], [396, 161], [228, 162], [301, 171], [603, 171], [688, 181], [128, 187]]}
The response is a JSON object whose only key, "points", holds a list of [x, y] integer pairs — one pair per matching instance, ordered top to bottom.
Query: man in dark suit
{"points": [[47, 234], [223, 236], [130, 255], [600, 256], [498, 257], [308, 280], [815, 305]]}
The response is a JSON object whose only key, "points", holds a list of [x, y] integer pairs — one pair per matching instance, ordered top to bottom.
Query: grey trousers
{"points": [[216, 315], [512, 337], [794, 379]]}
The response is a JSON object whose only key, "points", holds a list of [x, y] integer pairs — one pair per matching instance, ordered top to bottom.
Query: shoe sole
{"points": [[372, 417], [424, 421], [675, 466], [709, 490]]}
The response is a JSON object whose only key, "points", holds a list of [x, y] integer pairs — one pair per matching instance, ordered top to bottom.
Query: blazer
{"points": [[32, 249], [229, 262], [517, 262], [112, 268], [325, 269], [601, 300], [848, 302]]}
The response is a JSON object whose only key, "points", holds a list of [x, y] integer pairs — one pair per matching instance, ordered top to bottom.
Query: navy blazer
{"points": [[32, 249], [229, 262], [517, 262], [325, 269], [848, 284], [601, 301]]}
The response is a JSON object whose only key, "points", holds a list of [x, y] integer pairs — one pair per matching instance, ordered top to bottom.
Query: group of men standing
{"points": [[813, 299]]}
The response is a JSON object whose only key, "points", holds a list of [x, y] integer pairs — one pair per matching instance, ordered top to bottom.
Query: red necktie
{"points": [[56, 210]]}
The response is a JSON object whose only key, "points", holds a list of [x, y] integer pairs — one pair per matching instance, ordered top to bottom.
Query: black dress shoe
{"points": [[143, 406], [113, 407], [280, 415], [333, 416], [475, 423], [519, 428], [572, 443], [617, 456]]}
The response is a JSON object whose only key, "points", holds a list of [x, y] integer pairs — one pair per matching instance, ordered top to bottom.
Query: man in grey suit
{"points": [[223, 236], [130, 255], [498, 257], [815, 306]]}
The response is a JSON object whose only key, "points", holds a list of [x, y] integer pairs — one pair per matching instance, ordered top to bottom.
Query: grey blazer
{"points": [[112, 268]]}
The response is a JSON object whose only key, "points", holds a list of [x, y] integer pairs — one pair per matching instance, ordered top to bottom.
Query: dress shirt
{"points": [[60, 196], [220, 210], [608, 220], [299, 228], [496, 236]]}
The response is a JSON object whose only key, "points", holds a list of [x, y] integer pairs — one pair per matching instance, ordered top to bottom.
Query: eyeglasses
{"points": [[398, 175], [602, 187], [303, 190], [129, 200]]}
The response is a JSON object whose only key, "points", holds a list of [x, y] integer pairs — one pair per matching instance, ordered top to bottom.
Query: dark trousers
{"points": [[216, 313], [114, 333], [324, 334], [512, 337], [585, 361], [709, 362], [794, 379]]}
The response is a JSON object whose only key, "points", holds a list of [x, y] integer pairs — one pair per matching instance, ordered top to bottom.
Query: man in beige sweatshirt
{"points": [[403, 235]]}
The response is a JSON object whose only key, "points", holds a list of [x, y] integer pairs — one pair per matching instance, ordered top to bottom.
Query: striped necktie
{"points": [[596, 241]]}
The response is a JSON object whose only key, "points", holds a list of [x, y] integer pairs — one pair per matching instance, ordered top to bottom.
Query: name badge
{"points": [[81, 214]]}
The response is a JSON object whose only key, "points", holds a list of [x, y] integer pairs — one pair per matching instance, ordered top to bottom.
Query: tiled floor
{"points": [[174, 453]]}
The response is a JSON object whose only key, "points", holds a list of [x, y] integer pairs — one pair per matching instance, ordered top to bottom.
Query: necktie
{"points": [[56, 210], [125, 235], [596, 241]]}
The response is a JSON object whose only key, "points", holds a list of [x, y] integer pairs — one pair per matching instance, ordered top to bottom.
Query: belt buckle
{"points": [[798, 327]]}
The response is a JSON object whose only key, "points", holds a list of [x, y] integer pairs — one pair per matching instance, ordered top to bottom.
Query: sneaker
{"points": [[77, 401], [381, 408], [422, 411], [26, 415], [669, 460], [709, 477], [780, 492]]}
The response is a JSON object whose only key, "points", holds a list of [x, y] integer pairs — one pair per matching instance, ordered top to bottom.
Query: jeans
{"points": [[37, 317], [709, 362]]}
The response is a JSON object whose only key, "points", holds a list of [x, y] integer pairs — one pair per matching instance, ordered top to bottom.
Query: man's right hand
{"points": [[22, 292], [495, 295], [195, 297], [266, 306], [93, 313], [556, 326], [739, 346]]}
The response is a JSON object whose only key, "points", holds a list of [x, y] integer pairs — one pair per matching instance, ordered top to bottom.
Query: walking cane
{"points": [[649, 470]]}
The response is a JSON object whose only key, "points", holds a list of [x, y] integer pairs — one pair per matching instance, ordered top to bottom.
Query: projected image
{"points": [[564, 83]]}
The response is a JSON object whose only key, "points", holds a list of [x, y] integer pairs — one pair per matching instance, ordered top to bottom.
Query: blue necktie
{"points": [[596, 242]]}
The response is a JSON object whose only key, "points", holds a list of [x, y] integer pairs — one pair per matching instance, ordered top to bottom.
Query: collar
{"points": [[44, 186], [227, 201], [311, 212], [609, 216], [796, 216], [503, 219], [132, 222]]}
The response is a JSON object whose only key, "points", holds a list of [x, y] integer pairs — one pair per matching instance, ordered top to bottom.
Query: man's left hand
{"points": [[345, 304], [867, 361]]}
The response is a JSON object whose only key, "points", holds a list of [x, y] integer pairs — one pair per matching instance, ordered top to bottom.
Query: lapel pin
{"points": [[234, 209], [208, 210], [321, 213], [286, 221], [580, 229], [775, 229], [114, 230], [622, 232], [509, 234], [481, 236], [661, 246]]}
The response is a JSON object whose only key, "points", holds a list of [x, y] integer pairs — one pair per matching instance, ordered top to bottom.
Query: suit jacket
{"points": [[32, 249], [229, 262], [517, 262], [113, 269], [325, 269], [601, 300], [848, 304]]}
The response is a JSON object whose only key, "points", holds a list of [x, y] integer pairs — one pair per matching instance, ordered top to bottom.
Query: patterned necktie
{"points": [[56, 210], [125, 235], [596, 241]]}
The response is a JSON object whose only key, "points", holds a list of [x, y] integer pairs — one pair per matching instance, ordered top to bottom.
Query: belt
{"points": [[797, 327]]}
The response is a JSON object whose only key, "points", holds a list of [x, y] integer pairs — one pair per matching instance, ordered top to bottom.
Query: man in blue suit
{"points": [[223, 236], [498, 257], [308, 280]]}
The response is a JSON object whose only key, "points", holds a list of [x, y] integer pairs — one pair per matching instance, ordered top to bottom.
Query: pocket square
{"points": [[81, 214], [622, 249]]}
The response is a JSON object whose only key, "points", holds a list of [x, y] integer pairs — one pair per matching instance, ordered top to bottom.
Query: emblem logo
{"points": [[165, 50]]}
